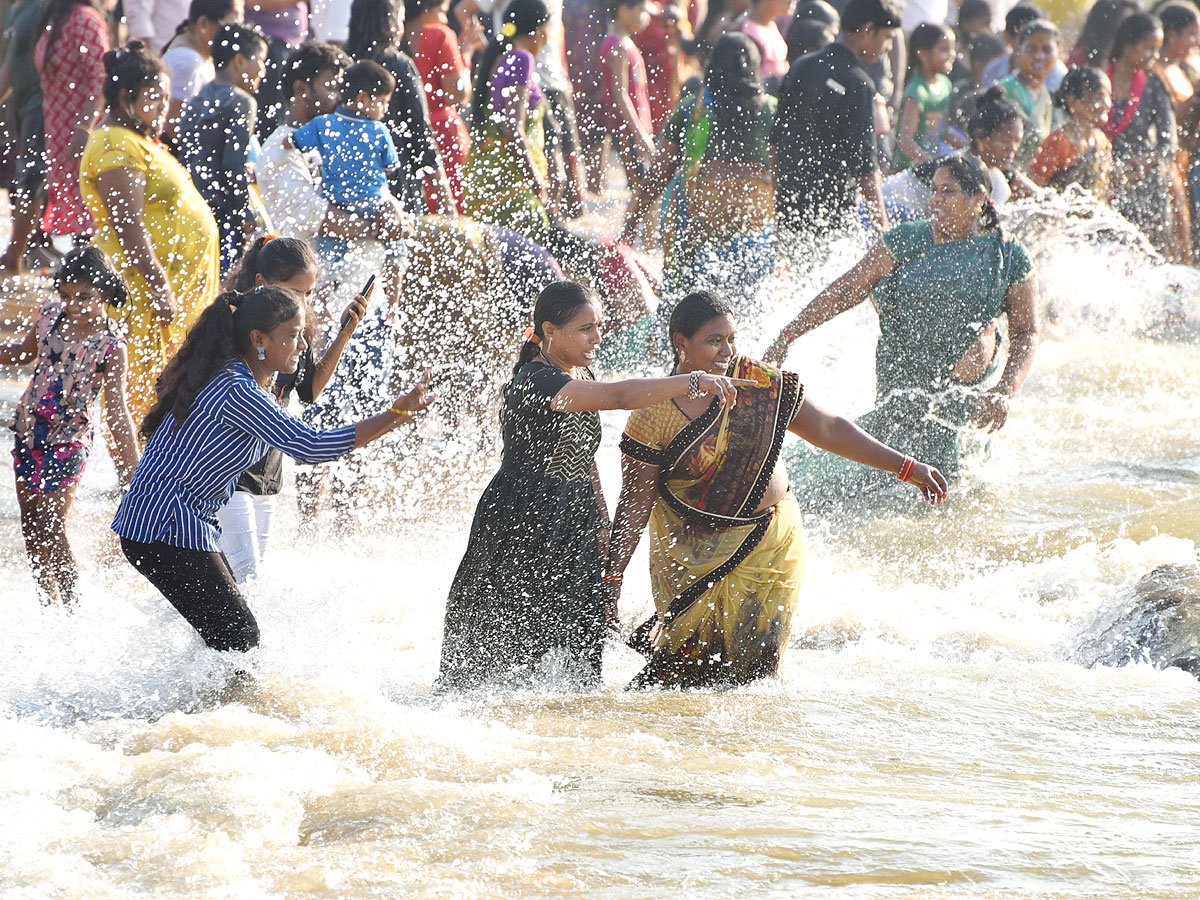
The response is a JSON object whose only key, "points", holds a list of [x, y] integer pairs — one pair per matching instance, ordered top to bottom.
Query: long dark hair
{"points": [[55, 15], [522, 17], [374, 27], [1099, 27], [1133, 30], [131, 68], [734, 83], [972, 176], [276, 259], [91, 265], [557, 304], [694, 311], [221, 333]]}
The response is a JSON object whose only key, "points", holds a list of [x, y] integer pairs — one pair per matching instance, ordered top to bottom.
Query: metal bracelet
{"points": [[694, 392]]}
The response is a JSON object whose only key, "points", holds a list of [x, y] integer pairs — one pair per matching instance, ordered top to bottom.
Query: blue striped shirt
{"points": [[188, 473]]}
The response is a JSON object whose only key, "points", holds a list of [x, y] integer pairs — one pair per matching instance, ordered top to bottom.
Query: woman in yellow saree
{"points": [[726, 542]]}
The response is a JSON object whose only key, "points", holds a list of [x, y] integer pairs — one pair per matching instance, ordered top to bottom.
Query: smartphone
{"points": [[365, 293]]}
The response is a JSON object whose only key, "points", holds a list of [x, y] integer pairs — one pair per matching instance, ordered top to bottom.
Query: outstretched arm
{"points": [[845, 293], [638, 393], [841, 436]]}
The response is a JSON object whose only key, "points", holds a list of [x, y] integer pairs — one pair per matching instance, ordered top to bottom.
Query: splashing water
{"points": [[935, 731]]}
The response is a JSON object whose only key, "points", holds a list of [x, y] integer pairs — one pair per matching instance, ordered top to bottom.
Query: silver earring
{"points": [[262, 352]]}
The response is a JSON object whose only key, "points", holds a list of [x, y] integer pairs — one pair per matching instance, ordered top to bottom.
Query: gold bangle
{"points": [[402, 413]]}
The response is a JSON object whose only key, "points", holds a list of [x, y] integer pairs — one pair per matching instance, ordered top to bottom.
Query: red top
{"points": [[437, 56], [638, 91]]}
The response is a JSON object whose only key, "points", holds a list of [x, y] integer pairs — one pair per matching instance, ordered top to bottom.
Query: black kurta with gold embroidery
{"points": [[529, 584]]}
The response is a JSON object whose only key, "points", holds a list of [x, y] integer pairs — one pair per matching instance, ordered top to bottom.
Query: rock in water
{"points": [[1156, 621]]}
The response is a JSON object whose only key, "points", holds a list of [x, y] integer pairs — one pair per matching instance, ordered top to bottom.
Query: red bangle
{"points": [[906, 468], [608, 579]]}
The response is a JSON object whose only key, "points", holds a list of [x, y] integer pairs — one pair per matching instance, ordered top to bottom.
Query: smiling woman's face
{"points": [[576, 342], [283, 344], [710, 349]]}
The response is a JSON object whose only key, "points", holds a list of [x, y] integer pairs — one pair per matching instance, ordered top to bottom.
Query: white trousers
{"points": [[245, 526]]}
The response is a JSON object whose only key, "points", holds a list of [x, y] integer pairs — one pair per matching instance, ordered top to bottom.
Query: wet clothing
{"points": [[825, 136], [1144, 144], [496, 189], [719, 214], [962, 286], [54, 420], [189, 470], [265, 477], [725, 576], [528, 586], [201, 587]]}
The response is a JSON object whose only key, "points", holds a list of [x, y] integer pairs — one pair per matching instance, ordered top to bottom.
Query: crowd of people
{"points": [[214, 164]]}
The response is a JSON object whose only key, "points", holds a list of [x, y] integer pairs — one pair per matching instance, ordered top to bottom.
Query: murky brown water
{"points": [[931, 734]]}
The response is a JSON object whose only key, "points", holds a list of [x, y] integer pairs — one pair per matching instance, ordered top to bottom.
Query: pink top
{"points": [[773, 46], [638, 91], [66, 382]]}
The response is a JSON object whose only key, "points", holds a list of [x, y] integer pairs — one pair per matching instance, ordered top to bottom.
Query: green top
{"points": [[21, 36], [933, 102], [1038, 112], [702, 141], [938, 300]]}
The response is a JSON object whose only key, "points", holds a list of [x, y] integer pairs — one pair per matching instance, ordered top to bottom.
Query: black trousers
{"points": [[201, 587]]}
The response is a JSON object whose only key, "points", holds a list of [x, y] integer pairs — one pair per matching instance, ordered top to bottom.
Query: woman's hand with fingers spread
{"points": [[419, 398]]}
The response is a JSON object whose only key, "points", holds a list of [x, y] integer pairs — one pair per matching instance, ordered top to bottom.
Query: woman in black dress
{"points": [[530, 585]]}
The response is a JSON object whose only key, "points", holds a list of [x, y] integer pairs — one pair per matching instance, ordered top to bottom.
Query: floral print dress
{"points": [[54, 424]]}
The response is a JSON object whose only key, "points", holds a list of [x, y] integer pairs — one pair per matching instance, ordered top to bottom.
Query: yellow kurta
{"points": [[185, 240], [739, 627]]}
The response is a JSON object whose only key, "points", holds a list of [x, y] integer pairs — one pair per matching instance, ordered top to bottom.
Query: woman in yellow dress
{"points": [[149, 218], [726, 541]]}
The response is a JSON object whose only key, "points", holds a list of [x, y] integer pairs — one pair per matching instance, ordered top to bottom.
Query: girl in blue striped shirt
{"points": [[213, 419]]}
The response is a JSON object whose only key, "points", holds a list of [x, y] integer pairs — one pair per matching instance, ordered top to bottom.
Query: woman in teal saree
{"points": [[939, 287]]}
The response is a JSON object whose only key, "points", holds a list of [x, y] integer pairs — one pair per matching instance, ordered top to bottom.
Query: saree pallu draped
{"points": [[725, 577]]}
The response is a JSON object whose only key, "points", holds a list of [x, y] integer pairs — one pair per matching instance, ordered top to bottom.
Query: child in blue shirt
{"points": [[357, 155]]}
